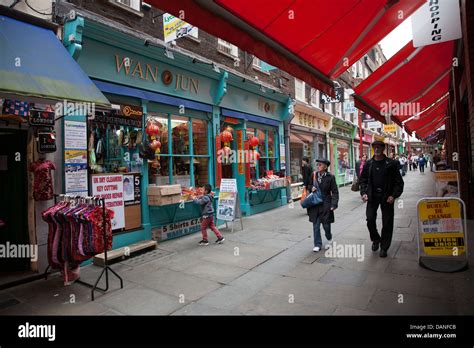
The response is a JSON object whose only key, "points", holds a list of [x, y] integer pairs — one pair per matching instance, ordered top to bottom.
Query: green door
{"points": [[13, 198]]}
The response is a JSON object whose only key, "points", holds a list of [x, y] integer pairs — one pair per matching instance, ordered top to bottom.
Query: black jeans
{"points": [[388, 213]]}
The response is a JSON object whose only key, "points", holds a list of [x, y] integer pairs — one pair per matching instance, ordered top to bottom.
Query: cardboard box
{"points": [[165, 190], [164, 200], [133, 216]]}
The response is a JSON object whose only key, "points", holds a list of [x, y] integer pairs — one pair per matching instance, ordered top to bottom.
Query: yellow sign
{"points": [[390, 128], [75, 156], [448, 209], [441, 227], [450, 244]]}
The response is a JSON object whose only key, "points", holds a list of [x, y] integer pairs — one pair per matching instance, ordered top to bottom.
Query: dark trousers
{"points": [[422, 168], [388, 213]]}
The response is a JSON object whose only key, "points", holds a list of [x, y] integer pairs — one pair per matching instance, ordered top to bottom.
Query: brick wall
{"points": [[151, 22]]}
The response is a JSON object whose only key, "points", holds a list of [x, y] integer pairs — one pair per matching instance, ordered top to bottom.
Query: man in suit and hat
{"points": [[380, 184]]}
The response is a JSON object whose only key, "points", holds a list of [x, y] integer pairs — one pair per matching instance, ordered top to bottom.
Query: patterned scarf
{"points": [[321, 176]]}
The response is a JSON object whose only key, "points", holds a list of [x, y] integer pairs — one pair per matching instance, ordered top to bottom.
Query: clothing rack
{"points": [[101, 202]]}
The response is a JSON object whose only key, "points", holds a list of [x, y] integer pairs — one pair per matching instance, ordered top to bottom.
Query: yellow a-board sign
{"points": [[441, 227]]}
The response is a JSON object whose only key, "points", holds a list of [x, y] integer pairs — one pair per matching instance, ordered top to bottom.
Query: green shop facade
{"points": [[192, 103], [341, 139]]}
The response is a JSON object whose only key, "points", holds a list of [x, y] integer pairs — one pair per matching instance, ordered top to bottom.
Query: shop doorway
{"points": [[13, 198]]}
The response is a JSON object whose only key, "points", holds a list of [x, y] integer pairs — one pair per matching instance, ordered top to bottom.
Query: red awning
{"points": [[313, 40], [408, 83], [425, 118], [430, 128]]}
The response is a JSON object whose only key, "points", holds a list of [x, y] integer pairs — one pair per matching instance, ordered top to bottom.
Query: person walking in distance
{"points": [[421, 163], [306, 171], [380, 184]]}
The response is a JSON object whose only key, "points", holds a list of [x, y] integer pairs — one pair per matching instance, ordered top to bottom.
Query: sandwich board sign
{"points": [[228, 205], [442, 239]]}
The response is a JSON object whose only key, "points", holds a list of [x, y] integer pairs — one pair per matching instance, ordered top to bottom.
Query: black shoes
{"points": [[220, 240], [204, 242], [375, 246], [383, 253]]}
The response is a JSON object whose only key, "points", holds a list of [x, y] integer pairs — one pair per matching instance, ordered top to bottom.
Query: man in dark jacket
{"points": [[306, 171], [380, 184], [323, 213]]}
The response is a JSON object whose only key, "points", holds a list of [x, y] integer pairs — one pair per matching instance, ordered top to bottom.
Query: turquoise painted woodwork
{"points": [[73, 36], [221, 89]]}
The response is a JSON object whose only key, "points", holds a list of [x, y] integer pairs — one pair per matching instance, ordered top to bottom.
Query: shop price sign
{"points": [[110, 187], [442, 241]]}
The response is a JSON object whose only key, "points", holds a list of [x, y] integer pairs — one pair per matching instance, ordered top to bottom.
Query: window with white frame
{"points": [[134, 4], [227, 47], [256, 63], [300, 90], [315, 97], [338, 110]]}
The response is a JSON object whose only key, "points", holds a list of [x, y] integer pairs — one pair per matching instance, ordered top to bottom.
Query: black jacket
{"points": [[306, 172], [393, 183], [330, 194]]}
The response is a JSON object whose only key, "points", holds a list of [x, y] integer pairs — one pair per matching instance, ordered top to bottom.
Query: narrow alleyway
{"points": [[270, 268]]}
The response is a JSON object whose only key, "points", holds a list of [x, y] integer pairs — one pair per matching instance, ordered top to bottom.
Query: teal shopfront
{"points": [[187, 104]]}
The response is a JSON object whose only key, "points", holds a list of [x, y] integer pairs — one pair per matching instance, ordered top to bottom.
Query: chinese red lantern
{"points": [[152, 129], [229, 129], [226, 136], [254, 141], [256, 155]]}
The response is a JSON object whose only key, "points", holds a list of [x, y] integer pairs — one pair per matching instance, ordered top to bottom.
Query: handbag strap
{"points": [[315, 180]]}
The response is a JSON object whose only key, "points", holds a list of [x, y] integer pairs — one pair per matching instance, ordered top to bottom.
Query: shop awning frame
{"points": [[315, 53], [35, 66]]}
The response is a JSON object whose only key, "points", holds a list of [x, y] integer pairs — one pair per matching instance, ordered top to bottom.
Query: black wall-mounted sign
{"points": [[325, 99], [128, 116], [42, 118], [46, 142]]}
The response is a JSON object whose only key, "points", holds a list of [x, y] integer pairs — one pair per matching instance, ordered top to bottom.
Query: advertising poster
{"points": [[174, 28], [75, 135], [75, 158], [447, 183], [110, 187], [131, 189], [227, 200], [441, 227]]}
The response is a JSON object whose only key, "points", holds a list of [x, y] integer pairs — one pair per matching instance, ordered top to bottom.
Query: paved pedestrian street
{"points": [[269, 268]]}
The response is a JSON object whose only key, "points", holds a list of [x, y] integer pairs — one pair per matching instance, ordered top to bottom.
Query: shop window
{"points": [[180, 135], [200, 137], [113, 147], [186, 165], [159, 171], [182, 171], [201, 171]]}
